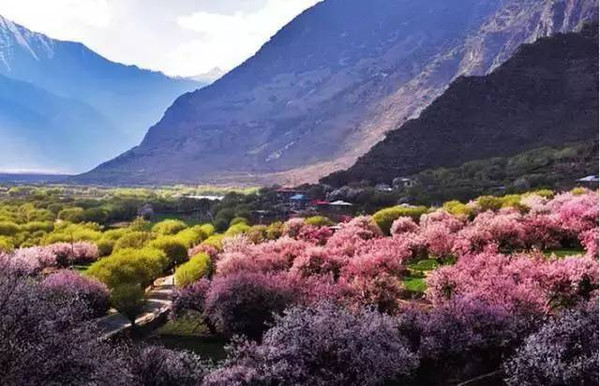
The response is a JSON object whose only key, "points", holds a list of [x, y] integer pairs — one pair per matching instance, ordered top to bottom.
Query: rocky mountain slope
{"points": [[329, 85], [545, 95], [126, 100]]}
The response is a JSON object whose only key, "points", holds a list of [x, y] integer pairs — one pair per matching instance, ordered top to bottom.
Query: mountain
{"points": [[210, 76], [330, 84], [545, 95], [120, 100], [43, 131], [558, 168]]}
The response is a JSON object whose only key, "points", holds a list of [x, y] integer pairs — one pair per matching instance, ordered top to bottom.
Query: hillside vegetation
{"points": [[545, 95]]}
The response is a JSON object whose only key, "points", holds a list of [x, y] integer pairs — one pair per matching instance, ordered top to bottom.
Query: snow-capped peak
{"points": [[14, 37]]}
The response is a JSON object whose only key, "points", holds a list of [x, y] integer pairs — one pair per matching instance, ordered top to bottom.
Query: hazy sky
{"points": [[178, 37]]}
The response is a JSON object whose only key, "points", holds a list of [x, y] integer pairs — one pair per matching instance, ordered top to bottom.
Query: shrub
{"points": [[579, 191], [513, 201], [486, 203], [457, 208], [74, 215], [97, 215], [385, 217], [238, 220], [318, 221], [403, 225], [34, 226], [169, 227], [8, 228], [207, 229], [237, 229], [274, 230], [67, 232], [257, 234], [191, 236], [134, 239], [589, 240], [214, 241], [6, 244], [105, 247], [173, 248], [204, 248], [80, 252], [239, 255], [31, 260], [128, 266], [198, 267], [519, 283], [69, 284], [191, 298], [128, 299], [245, 303], [43, 339], [463, 339], [322, 345], [563, 352], [154, 365]]}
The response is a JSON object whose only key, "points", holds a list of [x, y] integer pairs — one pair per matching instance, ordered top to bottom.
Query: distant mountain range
{"points": [[330, 84], [545, 95], [65, 108]]}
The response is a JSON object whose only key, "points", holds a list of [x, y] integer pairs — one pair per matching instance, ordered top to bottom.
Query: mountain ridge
{"points": [[329, 85], [544, 95], [128, 98]]}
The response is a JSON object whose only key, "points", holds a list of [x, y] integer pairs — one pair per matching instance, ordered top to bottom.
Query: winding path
{"points": [[158, 305]]}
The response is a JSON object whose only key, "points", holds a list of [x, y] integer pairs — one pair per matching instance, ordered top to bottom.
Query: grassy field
{"points": [[564, 252], [188, 334]]}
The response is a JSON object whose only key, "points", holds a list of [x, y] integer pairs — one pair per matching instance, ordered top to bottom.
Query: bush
{"points": [[578, 191], [486, 203], [457, 208], [74, 215], [97, 215], [386, 217], [238, 220], [318, 221], [34, 226], [169, 227], [8, 228], [207, 229], [237, 229], [274, 230], [67, 232], [115, 234], [257, 234], [192, 236], [134, 239], [215, 241], [6, 244], [105, 247], [173, 248], [80, 252], [130, 266], [198, 267], [69, 284], [128, 299], [191, 299], [245, 303], [463, 339], [44, 341], [322, 345], [562, 352], [155, 365]]}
